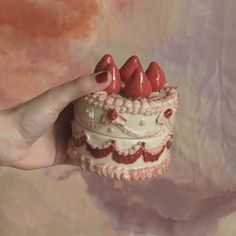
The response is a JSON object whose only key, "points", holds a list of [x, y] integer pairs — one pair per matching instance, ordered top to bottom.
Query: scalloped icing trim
{"points": [[145, 106], [119, 148], [131, 157], [118, 173]]}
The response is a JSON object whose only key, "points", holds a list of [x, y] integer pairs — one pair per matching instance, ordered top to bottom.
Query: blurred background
{"points": [[44, 43]]}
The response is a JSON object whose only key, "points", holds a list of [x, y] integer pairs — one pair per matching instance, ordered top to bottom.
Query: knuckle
{"points": [[83, 85], [52, 97]]}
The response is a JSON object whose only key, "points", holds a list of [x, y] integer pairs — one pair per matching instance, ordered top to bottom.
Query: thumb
{"points": [[35, 117]]}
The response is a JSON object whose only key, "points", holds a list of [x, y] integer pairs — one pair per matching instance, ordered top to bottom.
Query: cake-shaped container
{"points": [[122, 137]]}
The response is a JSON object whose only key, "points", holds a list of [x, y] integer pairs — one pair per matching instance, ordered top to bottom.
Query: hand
{"points": [[35, 133]]}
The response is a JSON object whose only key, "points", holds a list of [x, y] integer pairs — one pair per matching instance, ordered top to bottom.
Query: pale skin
{"points": [[35, 134]]}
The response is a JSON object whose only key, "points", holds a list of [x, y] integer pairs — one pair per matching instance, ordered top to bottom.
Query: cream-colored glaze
{"points": [[152, 105], [91, 112], [137, 121], [128, 130], [124, 145], [109, 161], [121, 171]]}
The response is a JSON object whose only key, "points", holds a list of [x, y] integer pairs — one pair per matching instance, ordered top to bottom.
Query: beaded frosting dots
{"points": [[141, 106], [126, 131]]}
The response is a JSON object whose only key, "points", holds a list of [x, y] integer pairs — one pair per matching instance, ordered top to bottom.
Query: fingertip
{"points": [[103, 77]]}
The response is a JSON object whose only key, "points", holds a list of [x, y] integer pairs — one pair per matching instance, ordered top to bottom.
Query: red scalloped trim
{"points": [[147, 157], [121, 158], [127, 159], [119, 172]]}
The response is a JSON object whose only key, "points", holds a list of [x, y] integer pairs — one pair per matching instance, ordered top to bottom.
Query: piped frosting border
{"points": [[145, 106], [118, 173]]}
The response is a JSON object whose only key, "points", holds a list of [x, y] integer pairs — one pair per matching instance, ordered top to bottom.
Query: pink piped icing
{"points": [[148, 106], [119, 123], [119, 173]]}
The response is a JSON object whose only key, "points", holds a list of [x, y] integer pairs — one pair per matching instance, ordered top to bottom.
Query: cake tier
{"points": [[117, 116], [124, 138], [102, 145], [79, 155], [127, 159]]}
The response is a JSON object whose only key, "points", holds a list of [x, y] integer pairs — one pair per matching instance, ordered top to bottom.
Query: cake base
{"points": [[115, 172]]}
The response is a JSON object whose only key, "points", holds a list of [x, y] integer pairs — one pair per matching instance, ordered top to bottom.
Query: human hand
{"points": [[35, 134]]}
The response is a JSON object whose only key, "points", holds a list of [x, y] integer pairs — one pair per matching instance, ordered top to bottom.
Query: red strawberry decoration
{"points": [[104, 62], [107, 64], [128, 68], [156, 76], [115, 85], [138, 86], [168, 113], [112, 114], [169, 144]]}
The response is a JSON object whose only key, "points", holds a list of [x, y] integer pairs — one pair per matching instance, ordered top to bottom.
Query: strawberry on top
{"points": [[106, 60], [107, 64], [128, 68], [156, 76], [136, 82], [115, 85], [138, 86]]}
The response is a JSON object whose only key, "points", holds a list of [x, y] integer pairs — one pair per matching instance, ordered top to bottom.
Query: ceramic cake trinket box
{"points": [[125, 132]]}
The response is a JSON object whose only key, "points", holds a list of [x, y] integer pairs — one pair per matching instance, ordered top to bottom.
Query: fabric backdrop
{"points": [[44, 43]]}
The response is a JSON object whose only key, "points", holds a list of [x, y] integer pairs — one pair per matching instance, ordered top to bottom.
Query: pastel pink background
{"points": [[46, 42]]}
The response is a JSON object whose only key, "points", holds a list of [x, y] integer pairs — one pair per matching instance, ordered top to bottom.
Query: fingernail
{"points": [[102, 77]]}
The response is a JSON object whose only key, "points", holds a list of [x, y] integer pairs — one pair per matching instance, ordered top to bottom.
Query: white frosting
{"points": [[154, 104], [147, 112], [103, 118], [124, 143], [138, 164], [118, 172]]}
